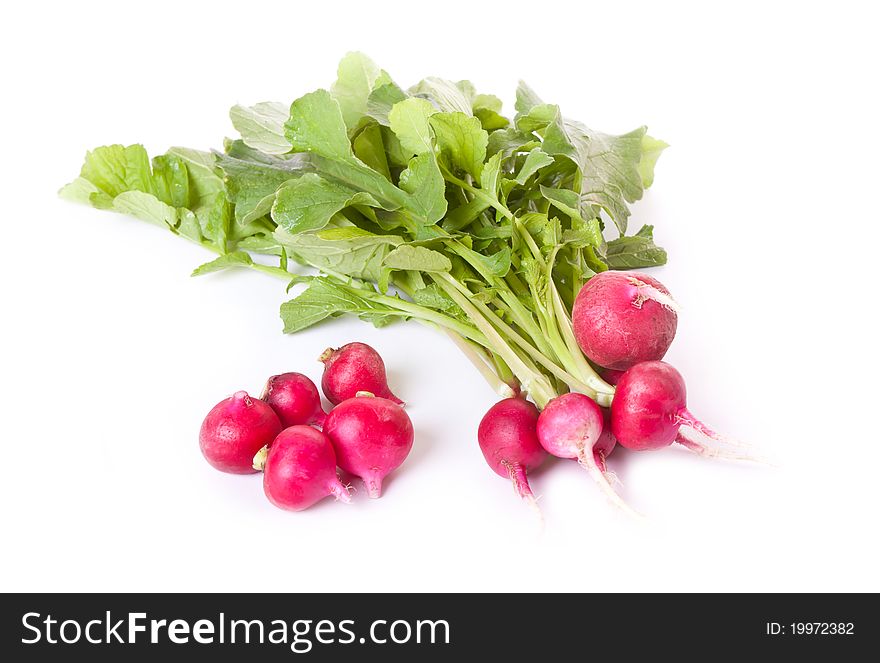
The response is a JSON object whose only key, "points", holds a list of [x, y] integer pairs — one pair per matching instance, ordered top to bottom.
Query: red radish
{"points": [[622, 318], [352, 368], [610, 375], [295, 399], [650, 406], [571, 426], [234, 430], [372, 436], [509, 442], [300, 469]]}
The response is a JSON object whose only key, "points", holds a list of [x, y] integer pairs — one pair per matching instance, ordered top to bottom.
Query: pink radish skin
{"points": [[623, 318], [352, 368], [295, 399], [650, 406], [571, 426], [236, 429], [372, 437], [509, 441], [300, 470]]}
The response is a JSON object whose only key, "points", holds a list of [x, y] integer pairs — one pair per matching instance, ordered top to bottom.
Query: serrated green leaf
{"points": [[356, 77], [445, 95], [526, 98], [382, 100], [537, 118], [408, 120], [316, 125], [262, 126], [461, 141], [510, 141], [369, 148], [651, 150], [535, 160], [116, 169], [490, 175], [253, 179], [171, 180], [424, 182], [79, 190], [565, 200], [308, 203], [146, 207], [463, 215], [214, 220], [583, 233], [635, 252], [355, 254], [417, 258], [235, 259], [433, 297], [325, 299]]}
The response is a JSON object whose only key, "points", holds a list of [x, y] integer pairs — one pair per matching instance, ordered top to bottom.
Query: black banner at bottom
{"points": [[432, 627]]}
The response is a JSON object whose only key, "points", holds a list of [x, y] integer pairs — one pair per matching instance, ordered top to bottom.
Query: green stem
{"points": [[461, 292], [481, 361], [534, 383]]}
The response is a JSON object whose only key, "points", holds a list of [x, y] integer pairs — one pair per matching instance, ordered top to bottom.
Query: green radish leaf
{"points": [[356, 78], [446, 96], [382, 100], [408, 120], [316, 125], [262, 126], [510, 141], [461, 142], [369, 148], [651, 149], [535, 160], [116, 169], [490, 174], [171, 180], [424, 182], [565, 200], [309, 203], [146, 207], [464, 215], [352, 252], [635, 252], [417, 258], [235, 259], [324, 299]]}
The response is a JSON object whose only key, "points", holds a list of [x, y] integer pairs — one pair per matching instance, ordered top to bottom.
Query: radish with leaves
{"points": [[622, 318], [650, 412], [571, 426], [509, 442]]}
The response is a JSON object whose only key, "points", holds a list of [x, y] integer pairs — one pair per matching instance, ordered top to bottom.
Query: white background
{"points": [[112, 354]]}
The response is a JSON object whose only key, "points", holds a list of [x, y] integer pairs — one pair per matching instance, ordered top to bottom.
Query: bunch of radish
{"points": [[624, 323], [288, 436]]}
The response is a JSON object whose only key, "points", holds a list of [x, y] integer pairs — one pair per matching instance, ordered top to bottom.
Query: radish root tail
{"points": [[738, 453], [587, 460], [521, 487], [340, 492]]}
